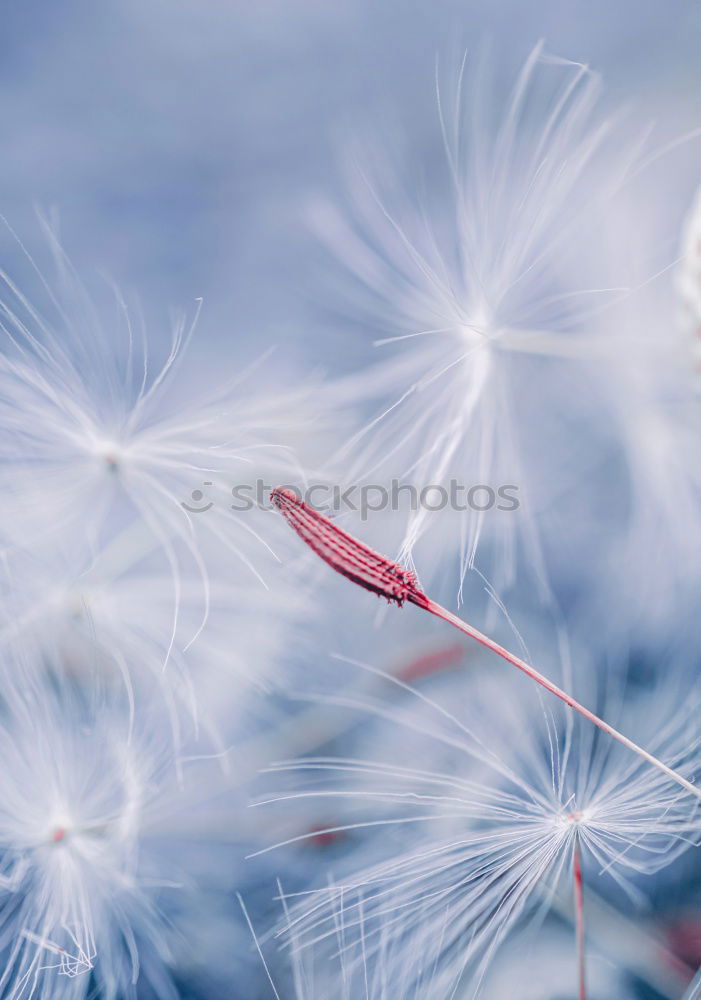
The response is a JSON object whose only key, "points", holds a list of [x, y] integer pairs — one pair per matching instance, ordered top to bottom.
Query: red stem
{"points": [[378, 574], [440, 612], [579, 919]]}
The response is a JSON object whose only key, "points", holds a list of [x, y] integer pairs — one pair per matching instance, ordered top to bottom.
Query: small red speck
{"points": [[58, 835], [322, 837]]}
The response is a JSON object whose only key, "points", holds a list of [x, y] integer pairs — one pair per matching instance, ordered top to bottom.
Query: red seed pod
{"points": [[349, 557]]}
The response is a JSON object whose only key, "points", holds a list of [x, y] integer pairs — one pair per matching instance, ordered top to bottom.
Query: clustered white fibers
{"points": [[485, 300], [96, 429], [136, 597], [117, 616], [135, 638], [482, 805], [112, 871], [79, 890], [349, 972]]}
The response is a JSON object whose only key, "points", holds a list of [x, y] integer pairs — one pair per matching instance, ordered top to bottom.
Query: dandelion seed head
{"points": [[483, 296], [94, 434], [109, 451], [80, 788], [483, 807], [573, 820]]}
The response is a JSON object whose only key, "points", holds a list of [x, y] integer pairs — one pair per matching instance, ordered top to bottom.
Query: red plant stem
{"points": [[375, 572], [529, 671], [579, 919]]}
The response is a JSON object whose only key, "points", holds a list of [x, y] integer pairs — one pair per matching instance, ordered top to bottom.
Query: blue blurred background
{"points": [[180, 141], [182, 144]]}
